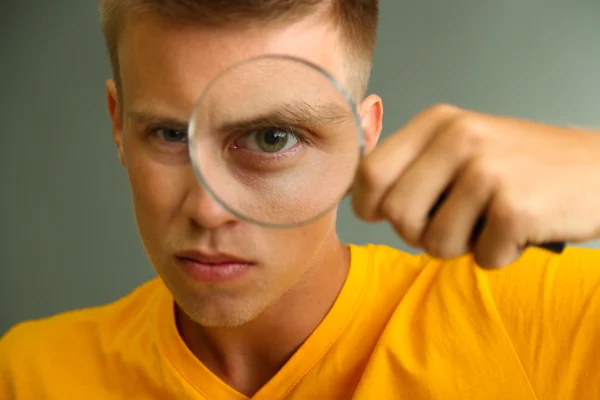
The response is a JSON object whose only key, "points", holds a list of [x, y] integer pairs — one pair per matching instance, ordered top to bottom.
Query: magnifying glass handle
{"points": [[554, 247]]}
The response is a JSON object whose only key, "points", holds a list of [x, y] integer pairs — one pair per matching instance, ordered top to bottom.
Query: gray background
{"points": [[68, 237]]}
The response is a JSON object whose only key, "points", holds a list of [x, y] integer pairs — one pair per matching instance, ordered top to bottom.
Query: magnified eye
{"points": [[272, 140], [276, 140]]}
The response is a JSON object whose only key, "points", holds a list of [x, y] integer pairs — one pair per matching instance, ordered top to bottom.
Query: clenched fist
{"points": [[530, 183]]}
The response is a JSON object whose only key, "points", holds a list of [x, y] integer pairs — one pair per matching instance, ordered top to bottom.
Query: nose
{"points": [[203, 209]]}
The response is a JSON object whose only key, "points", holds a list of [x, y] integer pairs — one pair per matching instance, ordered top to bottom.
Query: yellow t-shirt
{"points": [[403, 327]]}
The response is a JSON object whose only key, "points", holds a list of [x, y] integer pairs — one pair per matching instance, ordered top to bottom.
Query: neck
{"points": [[248, 356]]}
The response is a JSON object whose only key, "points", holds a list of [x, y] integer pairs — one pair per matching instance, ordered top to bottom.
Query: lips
{"points": [[211, 258], [212, 267]]}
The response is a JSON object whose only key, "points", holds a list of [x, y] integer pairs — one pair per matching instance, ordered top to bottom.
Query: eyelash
{"points": [[155, 132], [299, 133]]}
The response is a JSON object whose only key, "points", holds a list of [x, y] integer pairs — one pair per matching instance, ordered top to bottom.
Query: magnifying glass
{"points": [[277, 140]]}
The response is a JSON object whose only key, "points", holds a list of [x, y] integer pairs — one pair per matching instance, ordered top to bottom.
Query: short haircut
{"points": [[357, 20]]}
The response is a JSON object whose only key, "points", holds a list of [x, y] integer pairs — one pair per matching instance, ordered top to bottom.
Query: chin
{"points": [[215, 308], [212, 313]]}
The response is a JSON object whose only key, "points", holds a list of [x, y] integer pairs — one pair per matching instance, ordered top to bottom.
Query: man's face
{"points": [[165, 65]]}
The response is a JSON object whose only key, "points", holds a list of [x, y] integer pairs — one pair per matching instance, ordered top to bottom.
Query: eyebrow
{"points": [[298, 114], [148, 117]]}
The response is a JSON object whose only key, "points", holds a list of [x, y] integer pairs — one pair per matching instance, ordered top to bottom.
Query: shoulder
{"points": [[387, 259], [575, 264], [403, 270], [386, 273], [574, 273], [561, 284], [546, 289], [549, 306], [533, 319], [62, 338]]}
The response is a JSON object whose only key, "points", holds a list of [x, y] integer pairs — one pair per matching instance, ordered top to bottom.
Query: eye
{"points": [[171, 135], [270, 140]]}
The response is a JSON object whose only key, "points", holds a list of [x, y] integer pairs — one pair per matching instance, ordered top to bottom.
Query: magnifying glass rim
{"points": [[192, 128]]}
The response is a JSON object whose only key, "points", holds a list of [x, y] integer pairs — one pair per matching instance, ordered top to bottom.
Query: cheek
{"points": [[157, 190], [296, 250]]}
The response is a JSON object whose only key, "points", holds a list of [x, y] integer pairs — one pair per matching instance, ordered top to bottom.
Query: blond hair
{"points": [[357, 19]]}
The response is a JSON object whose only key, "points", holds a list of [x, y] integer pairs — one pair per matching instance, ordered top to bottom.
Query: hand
{"points": [[533, 183]]}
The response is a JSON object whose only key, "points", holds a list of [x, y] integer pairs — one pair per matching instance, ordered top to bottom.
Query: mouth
{"points": [[212, 267]]}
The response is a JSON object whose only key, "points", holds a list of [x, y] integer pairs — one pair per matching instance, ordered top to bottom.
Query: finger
{"points": [[379, 170], [408, 205], [453, 227], [503, 238]]}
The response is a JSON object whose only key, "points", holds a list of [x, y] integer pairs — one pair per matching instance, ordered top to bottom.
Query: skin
{"points": [[534, 183], [234, 328]]}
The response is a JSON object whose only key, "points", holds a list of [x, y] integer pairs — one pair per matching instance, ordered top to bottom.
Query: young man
{"points": [[310, 317]]}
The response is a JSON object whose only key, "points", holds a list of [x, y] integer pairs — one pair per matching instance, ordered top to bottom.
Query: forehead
{"points": [[166, 64]]}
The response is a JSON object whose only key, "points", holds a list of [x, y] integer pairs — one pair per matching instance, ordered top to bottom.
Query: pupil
{"points": [[172, 135], [273, 138], [272, 141]]}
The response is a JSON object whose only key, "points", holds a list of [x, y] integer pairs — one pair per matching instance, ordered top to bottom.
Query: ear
{"points": [[114, 110], [371, 116]]}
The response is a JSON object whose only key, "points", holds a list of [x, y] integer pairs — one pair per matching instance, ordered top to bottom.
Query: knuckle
{"points": [[441, 111], [464, 123], [465, 134], [479, 175], [513, 213], [405, 226], [438, 243]]}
